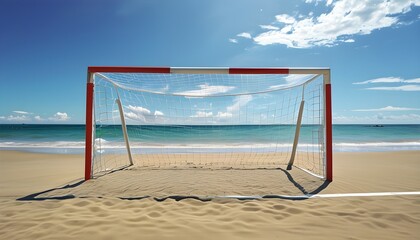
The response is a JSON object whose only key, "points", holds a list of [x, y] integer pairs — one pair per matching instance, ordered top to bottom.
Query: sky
{"points": [[371, 46]]}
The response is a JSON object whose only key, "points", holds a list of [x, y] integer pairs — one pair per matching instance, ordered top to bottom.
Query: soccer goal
{"points": [[208, 118]]}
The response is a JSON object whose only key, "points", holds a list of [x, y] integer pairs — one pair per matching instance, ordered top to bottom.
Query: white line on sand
{"points": [[374, 194], [333, 195]]}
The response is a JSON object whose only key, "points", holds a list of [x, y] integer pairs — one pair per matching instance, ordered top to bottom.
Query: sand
{"points": [[96, 212]]}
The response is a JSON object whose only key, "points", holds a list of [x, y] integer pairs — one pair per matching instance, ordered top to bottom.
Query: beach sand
{"points": [[96, 212]]}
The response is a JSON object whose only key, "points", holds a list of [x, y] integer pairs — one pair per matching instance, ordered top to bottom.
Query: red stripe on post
{"points": [[130, 69], [258, 71], [89, 123], [328, 123]]}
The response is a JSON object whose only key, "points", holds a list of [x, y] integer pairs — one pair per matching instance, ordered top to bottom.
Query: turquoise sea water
{"points": [[70, 138]]}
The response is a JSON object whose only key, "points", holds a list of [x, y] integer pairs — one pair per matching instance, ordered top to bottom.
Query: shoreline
{"points": [[346, 138], [62, 147]]}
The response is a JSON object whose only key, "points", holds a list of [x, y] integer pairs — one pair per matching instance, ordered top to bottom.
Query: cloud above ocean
{"points": [[342, 20], [409, 84], [27, 117]]}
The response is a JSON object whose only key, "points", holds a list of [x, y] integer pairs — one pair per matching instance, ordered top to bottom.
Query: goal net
{"points": [[210, 118]]}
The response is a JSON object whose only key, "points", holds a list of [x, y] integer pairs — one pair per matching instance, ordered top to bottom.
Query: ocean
{"points": [[70, 138]]}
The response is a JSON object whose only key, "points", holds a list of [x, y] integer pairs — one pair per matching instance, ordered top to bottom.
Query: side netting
{"points": [[208, 121]]}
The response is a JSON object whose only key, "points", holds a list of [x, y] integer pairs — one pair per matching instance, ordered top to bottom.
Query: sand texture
{"points": [[97, 210]]}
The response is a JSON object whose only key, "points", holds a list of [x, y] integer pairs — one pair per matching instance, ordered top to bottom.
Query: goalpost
{"points": [[208, 118]]}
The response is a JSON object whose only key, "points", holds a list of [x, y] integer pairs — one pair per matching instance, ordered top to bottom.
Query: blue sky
{"points": [[371, 47]]}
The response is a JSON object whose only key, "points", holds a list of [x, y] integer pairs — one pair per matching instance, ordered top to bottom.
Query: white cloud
{"points": [[328, 2], [284, 18], [346, 18], [269, 27], [244, 35], [232, 40], [349, 40], [293, 80], [381, 80], [389, 80], [415, 80], [280, 86], [406, 88], [206, 90], [239, 102], [387, 108], [139, 110], [231, 110], [22, 112], [158, 113], [201, 114], [144, 115], [224, 115], [60, 116], [135, 116], [263, 116], [26, 117], [405, 117], [17, 118], [377, 119]]}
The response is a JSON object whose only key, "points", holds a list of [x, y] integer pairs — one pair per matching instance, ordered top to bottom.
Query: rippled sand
{"points": [[101, 215]]}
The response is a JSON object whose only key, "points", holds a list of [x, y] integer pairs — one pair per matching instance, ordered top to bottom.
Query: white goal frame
{"points": [[325, 72]]}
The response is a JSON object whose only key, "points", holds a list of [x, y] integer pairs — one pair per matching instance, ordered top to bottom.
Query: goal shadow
{"points": [[200, 184]]}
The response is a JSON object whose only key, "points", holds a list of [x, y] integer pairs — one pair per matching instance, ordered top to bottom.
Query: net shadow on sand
{"points": [[200, 184]]}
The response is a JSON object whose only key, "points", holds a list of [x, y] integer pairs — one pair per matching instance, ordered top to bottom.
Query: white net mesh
{"points": [[208, 121]]}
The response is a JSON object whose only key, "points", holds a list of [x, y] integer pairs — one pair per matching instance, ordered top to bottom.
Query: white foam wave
{"points": [[57, 144], [104, 144], [107, 144], [378, 144]]}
